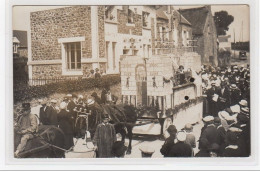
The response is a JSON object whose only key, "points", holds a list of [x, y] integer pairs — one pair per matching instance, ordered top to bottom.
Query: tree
{"points": [[222, 20]]}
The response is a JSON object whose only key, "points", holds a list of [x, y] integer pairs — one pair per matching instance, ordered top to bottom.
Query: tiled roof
{"points": [[160, 13], [197, 17], [21, 36]]}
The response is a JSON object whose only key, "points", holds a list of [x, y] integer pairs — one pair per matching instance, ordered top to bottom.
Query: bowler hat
{"points": [[26, 106]]}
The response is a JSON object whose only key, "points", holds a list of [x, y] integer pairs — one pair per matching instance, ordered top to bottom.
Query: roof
{"points": [[160, 13], [197, 17], [183, 20], [21, 36], [223, 38]]}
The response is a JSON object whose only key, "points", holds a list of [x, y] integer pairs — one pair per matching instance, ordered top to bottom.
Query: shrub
{"points": [[25, 92]]}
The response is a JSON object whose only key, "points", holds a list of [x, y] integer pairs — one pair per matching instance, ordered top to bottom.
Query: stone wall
{"points": [[49, 25], [124, 27], [101, 31], [153, 35], [46, 71]]}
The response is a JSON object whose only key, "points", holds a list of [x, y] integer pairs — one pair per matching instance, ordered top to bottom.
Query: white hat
{"points": [[233, 86], [68, 95], [80, 96], [40, 100], [53, 101], [90, 102], [243, 103], [63, 105], [235, 108], [225, 115], [208, 118], [235, 129], [181, 136]]}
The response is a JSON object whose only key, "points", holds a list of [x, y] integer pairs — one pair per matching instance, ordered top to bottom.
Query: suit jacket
{"points": [[224, 99], [43, 115], [52, 116], [210, 133], [169, 142], [180, 149]]}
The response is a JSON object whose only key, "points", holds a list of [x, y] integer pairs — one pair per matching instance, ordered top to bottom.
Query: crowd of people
{"points": [[64, 115], [226, 131]]}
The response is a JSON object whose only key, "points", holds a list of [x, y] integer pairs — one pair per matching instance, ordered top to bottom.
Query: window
{"points": [[108, 12], [130, 16], [145, 19], [114, 54], [73, 55]]}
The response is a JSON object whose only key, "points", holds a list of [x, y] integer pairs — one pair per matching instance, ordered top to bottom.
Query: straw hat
{"points": [[53, 101], [90, 102], [243, 103], [63, 105], [208, 118]]}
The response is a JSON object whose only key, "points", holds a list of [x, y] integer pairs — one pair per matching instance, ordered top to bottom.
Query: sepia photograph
{"points": [[131, 81]]}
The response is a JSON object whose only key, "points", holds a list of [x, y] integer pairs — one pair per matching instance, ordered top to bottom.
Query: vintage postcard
{"points": [[131, 81]]}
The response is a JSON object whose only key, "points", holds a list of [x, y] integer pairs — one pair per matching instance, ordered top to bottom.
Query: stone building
{"points": [[204, 31], [71, 41], [20, 54]]}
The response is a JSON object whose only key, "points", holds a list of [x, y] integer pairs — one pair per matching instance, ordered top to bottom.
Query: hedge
{"points": [[26, 92]]}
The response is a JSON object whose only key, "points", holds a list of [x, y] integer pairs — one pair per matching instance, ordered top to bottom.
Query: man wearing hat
{"points": [[235, 94], [212, 97], [224, 97], [96, 98], [72, 104], [43, 113], [52, 113], [26, 127], [210, 132], [221, 134], [104, 138], [170, 141], [181, 149]]}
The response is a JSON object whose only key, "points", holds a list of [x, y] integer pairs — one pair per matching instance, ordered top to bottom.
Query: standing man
{"points": [[235, 94], [212, 97], [224, 97], [70, 107], [43, 113], [52, 113], [26, 127], [210, 132], [104, 138]]}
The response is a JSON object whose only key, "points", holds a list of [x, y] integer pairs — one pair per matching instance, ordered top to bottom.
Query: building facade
{"points": [[204, 31], [71, 41]]}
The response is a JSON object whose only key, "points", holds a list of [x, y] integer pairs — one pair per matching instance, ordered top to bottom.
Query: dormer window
{"points": [[109, 15]]}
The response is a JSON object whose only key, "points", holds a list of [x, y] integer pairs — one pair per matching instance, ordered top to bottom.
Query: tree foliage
{"points": [[222, 20]]}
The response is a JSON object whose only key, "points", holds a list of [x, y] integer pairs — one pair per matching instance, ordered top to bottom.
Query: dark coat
{"points": [[103, 96], [235, 96], [224, 99], [213, 106], [43, 115], [52, 116], [65, 125], [210, 133], [221, 136], [168, 144], [180, 149], [202, 153]]}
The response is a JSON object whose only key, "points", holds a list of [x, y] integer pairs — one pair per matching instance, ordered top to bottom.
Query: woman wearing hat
{"points": [[64, 121], [170, 141]]}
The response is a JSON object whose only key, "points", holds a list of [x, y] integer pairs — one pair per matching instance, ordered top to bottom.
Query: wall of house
{"points": [[49, 25], [210, 41]]}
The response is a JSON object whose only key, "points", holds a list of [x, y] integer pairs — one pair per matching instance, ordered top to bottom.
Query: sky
{"points": [[21, 18]]}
